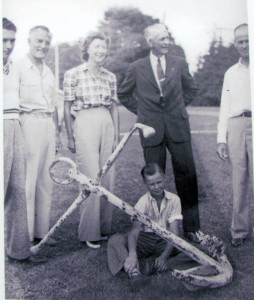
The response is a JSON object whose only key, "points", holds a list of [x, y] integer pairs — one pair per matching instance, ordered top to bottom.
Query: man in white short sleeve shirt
{"points": [[235, 133]]}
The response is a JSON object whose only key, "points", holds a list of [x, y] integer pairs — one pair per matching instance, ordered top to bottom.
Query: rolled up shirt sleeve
{"points": [[69, 86], [113, 88], [176, 212]]}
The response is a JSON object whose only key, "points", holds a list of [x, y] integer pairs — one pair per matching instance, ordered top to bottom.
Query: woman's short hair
{"points": [[88, 40], [150, 169]]}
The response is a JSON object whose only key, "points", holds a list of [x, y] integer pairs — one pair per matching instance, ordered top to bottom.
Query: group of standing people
{"points": [[157, 89], [31, 140]]}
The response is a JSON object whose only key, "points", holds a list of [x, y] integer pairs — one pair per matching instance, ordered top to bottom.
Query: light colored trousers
{"points": [[39, 135], [94, 136], [241, 159], [16, 227]]}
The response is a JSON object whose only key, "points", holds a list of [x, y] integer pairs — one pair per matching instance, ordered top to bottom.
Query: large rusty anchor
{"points": [[214, 271]]}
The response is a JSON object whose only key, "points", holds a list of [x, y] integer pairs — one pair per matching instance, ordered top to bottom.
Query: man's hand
{"points": [[58, 143], [71, 145], [222, 151], [131, 262], [161, 263]]}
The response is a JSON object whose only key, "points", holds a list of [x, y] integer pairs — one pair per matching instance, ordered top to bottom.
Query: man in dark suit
{"points": [[157, 88]]}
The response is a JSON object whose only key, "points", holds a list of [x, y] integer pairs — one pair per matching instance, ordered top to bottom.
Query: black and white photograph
{"points": [[127, 152]]}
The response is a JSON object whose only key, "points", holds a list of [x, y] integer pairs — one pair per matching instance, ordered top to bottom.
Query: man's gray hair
{"points": [[240, 26], [42, 27], [150, 31]]}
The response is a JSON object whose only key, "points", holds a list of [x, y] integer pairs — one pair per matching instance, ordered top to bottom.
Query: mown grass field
{"points": [[75, 272]]}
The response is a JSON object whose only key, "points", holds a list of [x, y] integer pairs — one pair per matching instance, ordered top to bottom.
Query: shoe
{"points": [[194, 237], [50, 242], [237, 242], [92, 245], [31, 259], [36, 260], [149, 268], [137, 282]]}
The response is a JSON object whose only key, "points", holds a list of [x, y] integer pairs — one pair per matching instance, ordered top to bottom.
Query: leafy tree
{"points": [[125, 27], [69, 57], [210, 73]]}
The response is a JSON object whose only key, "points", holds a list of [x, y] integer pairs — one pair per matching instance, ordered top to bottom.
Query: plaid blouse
{"points": [[86, 90]]}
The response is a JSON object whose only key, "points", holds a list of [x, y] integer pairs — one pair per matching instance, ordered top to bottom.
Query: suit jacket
{"points": [[140, 94]]}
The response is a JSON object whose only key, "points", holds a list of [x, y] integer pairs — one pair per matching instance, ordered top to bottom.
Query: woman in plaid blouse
{"points": [[90, 90]]}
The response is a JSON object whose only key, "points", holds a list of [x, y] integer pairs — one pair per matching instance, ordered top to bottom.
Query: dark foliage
{"points": [[125, 27], [210, 73]]}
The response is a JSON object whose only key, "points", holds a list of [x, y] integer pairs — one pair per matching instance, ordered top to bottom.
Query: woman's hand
{"points": [[58, 143], [71, 145]]}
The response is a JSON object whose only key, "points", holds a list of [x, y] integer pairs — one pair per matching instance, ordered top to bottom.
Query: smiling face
{"points": [[159, 41], [242, 42], [8, 43], [39, 43], [97, 51], [155, 184]]}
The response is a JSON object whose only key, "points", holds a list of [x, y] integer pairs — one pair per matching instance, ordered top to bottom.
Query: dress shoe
{"points": [[194, 237], [50, 242], [237, 242], [92, 245], [31, 259], [149, 268], [137, 282]]}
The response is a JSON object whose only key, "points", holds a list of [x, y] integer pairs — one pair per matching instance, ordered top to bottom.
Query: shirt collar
{"points": [[154, 58], [9, 62], [28, 64], [240, 64], [6, 67], [85, 68], [151, 197], [154, 204]]}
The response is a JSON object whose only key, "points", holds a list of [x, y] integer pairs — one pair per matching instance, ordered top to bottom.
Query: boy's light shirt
{"points": [[235, 99], [170, 209]]}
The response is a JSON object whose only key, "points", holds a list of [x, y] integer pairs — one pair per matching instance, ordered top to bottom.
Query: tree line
{"points": [[125, 27]]}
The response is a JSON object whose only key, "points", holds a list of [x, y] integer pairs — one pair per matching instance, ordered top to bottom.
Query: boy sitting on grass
{"points": [[162, 207]]}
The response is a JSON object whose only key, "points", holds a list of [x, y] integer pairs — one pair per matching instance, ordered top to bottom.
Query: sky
{"points": [[193, 23]]}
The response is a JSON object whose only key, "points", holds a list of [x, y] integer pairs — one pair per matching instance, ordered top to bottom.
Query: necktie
{"points": [[6, 69], [161, 74]]}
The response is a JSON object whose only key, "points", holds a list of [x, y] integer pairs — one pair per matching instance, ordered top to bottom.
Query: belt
{"points": [[87, 106], [43, 114], [246, 114]]}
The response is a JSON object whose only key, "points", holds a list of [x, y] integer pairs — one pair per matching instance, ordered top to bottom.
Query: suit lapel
{"points": [[147, 70], [170, 70]]}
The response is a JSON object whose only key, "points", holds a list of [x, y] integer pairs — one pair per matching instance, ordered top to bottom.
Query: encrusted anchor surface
{"points": [[214, 271]]}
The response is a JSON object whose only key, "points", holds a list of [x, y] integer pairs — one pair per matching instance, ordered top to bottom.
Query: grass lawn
{"points": [[74, 271]]}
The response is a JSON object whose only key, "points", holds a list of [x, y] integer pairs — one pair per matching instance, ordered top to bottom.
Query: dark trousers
{"points": [[185, 176], [148, 244]]}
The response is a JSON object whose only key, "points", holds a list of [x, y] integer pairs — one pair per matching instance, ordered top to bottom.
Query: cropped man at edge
{"points": [[235, 133]]}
